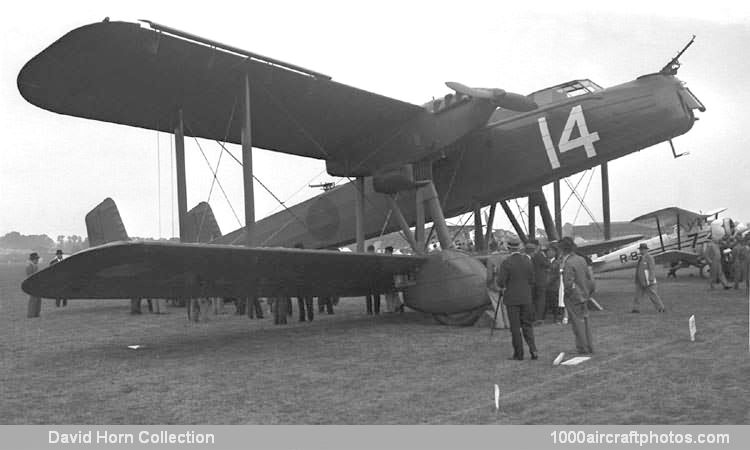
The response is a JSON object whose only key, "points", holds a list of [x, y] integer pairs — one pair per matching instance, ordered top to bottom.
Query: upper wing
{"points": [[130, 74], [672, 215], [174, 270]]}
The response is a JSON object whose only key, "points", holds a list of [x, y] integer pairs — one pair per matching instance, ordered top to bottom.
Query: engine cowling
{"points": [[450, 285]]}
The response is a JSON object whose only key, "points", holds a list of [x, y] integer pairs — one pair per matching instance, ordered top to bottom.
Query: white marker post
{"points": [[691, 325], [497, 397]]}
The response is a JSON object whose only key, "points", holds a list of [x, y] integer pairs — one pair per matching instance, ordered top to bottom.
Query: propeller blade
{"points": [[489, 94], [503, 99]]}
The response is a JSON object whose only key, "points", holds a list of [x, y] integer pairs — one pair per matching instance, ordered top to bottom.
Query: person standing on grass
{"points": [[712, 252], [58, 257], [493, 262], [541, 268], [575, 275], [517, 278], [645, 280], [373, 298], [392, 299], [35, 303], [280, 306]]}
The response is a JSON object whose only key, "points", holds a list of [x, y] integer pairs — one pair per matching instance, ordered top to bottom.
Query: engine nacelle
{"points": [[395, 180], [450, 282]]}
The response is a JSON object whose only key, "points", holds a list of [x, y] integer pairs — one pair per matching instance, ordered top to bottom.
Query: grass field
{"points": [[73, 365]]}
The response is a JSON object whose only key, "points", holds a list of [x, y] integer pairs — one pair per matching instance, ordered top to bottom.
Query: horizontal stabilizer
{"points": [[103, 224]]}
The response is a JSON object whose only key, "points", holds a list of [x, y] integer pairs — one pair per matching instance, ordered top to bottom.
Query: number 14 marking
{"points": [[585, 139]]}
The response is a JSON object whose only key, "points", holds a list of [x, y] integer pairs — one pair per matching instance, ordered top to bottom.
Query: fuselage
{"points": [[512, 154], [627, 257]]}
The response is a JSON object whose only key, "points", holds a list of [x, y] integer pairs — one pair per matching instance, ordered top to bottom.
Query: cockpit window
{"points": [[579, 87], [564, 91]]}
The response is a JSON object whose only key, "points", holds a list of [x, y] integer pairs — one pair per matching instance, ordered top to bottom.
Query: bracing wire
{"points": [[171, 174], [158, 178], [582, 203], [520, 214]]}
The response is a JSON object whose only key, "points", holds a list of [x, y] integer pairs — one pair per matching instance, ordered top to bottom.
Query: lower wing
{"points": [[673, 256], [179, 270]]}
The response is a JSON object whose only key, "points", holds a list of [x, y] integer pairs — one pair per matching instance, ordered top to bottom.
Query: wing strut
{"points": [[179, 141], [247, 166], [605, 202], [558, 208], [359, 213], [513, 221], [490, 224], [658, 229], [479, 243]]}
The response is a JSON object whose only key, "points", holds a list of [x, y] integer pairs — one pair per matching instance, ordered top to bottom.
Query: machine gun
{"points": [[674, 64]]}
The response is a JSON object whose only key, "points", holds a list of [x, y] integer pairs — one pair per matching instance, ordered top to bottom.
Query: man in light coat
{"points": [[576, 281], [645, 281], [35, 303]]}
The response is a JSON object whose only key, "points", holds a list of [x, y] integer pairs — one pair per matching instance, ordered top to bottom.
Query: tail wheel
{"points": [[463, 319]]}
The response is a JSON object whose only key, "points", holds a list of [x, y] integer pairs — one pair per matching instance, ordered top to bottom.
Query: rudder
{"points": [[103, 224], [201, 224]]}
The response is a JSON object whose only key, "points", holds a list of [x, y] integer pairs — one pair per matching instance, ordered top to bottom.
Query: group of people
{"points": [[729, 260], [524, 279], [393, 301], [35, 303], [281, 308]]}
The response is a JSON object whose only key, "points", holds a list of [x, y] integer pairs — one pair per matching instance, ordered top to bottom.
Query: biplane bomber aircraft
{"points": [[408, 164]]}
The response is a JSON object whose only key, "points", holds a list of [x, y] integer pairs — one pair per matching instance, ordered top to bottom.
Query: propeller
{"points": [[503, 99]]}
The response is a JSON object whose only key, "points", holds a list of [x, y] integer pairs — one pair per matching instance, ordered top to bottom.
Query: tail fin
{"points": [[103, 224], [201, 224]]}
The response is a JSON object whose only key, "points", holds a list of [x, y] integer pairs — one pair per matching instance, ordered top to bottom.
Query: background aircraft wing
{"points": [[131, 74], [668, 217], [593, 248], [178, 270]]}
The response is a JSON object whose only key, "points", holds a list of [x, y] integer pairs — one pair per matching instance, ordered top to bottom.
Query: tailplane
{"points": [[103, 224]]}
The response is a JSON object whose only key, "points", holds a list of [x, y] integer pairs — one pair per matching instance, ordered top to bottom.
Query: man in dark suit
{"points": [[58, 257], [541, 269], [517, 278]]}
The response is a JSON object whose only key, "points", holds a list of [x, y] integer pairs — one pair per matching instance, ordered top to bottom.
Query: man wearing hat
{"points": [[58, 257], [541, 268], [517, 278], [575, 278], [645, 280], [35, 303]]}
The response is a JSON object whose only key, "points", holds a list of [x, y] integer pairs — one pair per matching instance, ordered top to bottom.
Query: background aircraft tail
{"points": [[103, 224], [201, 224]]}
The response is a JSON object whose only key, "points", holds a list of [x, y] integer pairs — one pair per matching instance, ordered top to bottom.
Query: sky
{"points": [[54, 168]]}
